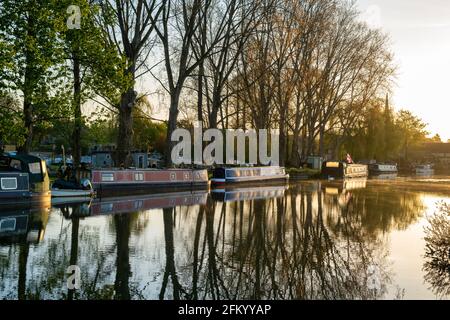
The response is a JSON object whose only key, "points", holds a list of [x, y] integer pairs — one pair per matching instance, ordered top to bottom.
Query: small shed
{"points": [[102, 159], [140, 159], [315, 162]]}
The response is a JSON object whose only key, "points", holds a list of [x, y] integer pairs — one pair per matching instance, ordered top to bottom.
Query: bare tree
{"points": [[132, 32]]}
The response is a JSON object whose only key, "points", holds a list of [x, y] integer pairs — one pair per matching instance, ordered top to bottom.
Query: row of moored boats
{"points": [[23, 176]]}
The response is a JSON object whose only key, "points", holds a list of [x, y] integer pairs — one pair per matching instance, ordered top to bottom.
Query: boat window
{"points": [[15, 164], [332, 164], [35, 168], [219, 173], [232, 173], [139, 176], [108, 177], [9, 183], [138, 204], [106, 207], [8, 225]]}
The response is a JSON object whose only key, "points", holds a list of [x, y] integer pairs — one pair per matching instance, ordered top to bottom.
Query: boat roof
{"points": [[23, 157]]}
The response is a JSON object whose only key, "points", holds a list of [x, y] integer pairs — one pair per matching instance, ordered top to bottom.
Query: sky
{"points": [[420, 40]]}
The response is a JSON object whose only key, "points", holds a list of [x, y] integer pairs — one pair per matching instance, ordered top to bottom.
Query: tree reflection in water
{"points": [[314, 241], [301, 246], [437, 256]]}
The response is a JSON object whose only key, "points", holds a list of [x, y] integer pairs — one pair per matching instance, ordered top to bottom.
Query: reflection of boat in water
{"points": [[424, 169], [385, 176], [338, 187], [343, 189], [241, 194], [61, 201], [147, 202], [23, 225]]}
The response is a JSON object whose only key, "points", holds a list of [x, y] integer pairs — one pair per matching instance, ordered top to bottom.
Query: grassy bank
{"points": [[302, 173]]}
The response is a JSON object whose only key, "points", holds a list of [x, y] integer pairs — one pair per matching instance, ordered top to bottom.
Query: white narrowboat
{"points": [[382, 168], [248, 174]]}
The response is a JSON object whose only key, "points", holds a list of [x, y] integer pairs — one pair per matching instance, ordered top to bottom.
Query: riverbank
{"points": [[302, 174]]}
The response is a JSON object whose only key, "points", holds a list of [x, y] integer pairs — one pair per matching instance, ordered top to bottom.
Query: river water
{"points": [[311, 240]]}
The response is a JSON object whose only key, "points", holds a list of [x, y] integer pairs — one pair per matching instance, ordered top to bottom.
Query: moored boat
{"points": [[382, 168], [341, 170], [248, 174], [23, 178], [116, 181], [68, 186]]}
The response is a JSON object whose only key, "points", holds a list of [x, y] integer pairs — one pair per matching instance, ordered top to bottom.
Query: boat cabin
{"points": [[22, 173]]}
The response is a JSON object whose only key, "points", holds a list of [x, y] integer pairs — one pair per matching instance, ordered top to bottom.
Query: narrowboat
{"points": [[381, 168], [424, 169], [342, 170], [232, 175], [24, 177], [116, 181], [242, 194]]}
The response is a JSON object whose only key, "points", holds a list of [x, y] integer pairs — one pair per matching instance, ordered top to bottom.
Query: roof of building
{"points": [[435, 147]]}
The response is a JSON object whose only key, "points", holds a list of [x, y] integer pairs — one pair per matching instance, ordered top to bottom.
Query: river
{"points": [[359, 239]]}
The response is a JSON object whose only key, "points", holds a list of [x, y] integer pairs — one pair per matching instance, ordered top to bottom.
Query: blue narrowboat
{"points": [[234, 175], [23, 176]]}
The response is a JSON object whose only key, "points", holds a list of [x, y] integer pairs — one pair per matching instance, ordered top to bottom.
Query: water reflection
{"points": [[314, 240], [437, 257]]}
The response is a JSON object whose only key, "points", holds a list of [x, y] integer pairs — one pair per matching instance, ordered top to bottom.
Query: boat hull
{"points": [[378, 169], [71, 193]]}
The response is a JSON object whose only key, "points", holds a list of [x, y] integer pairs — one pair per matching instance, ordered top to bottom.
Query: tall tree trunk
{"points": [[28, 86], [200, 94], [214, 110], [28, 122], [172, 124], [76, 134], [125, 136], [321, 140]]}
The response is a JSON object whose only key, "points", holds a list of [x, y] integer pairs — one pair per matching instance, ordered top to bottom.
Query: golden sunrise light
{"points": [[420, 35]]}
